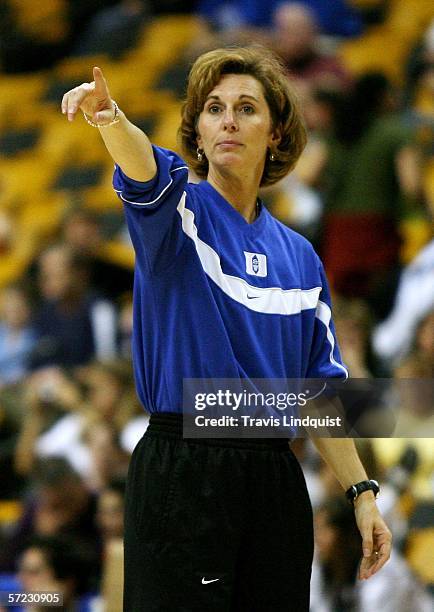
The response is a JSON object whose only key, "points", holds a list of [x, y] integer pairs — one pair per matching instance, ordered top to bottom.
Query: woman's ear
{"points": [[276, 136], [199, 141]]}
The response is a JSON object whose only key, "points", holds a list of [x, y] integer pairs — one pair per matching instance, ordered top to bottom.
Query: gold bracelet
{"points": [[116, 118]]}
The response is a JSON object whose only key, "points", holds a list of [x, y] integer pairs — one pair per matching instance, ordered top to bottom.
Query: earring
{"points": [[199, 154], [272, 157]]}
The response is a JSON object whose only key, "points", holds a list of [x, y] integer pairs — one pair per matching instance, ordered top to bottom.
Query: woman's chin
{"points": [[229, 159]]}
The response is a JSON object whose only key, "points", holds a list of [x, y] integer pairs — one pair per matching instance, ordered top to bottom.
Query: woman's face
{"points": [[235, 128]]}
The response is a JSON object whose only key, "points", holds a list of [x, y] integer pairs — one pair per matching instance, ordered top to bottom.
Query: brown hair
{"points": [[263, 65]]}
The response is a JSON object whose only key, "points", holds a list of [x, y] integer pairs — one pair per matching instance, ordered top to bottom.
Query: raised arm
{"points": [[129, 147]]}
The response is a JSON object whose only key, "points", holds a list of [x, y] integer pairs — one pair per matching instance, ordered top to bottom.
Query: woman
{"points": [[222, 290]]}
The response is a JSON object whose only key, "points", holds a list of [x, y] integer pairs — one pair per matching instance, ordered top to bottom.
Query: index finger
{"points": [[101, 89]]}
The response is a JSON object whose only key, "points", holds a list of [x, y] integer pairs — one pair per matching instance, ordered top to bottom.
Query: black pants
{"points": [[215, 525]]}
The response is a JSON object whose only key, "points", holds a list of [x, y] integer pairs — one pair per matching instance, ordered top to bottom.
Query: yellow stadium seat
{"points": [[410, 18], [44, 20], [163, 42], [379, 49], [79, 68], [17, 91], [139, 102], [165, 133], [63, 142], [22, 179], [429, 185], [102, 197], [42, 216], [36, 221], [416, 233], [118, 253], [14, 264], [389, 450], [10, 512], [419, 554]]}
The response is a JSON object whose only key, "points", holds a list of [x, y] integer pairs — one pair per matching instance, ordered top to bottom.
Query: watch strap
{"points": [[365, 485]]}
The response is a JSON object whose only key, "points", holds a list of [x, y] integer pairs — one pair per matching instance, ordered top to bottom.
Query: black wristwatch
{"points": [[366, 485]]}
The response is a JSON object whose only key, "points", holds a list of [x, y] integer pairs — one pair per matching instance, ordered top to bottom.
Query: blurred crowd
{"points": [[363, 193]]}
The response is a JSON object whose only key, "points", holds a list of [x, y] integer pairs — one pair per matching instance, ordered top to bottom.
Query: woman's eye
{"points": [[214, 109], [247, 109]]}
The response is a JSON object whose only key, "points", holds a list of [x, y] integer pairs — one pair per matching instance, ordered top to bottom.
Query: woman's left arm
{"points": [[342, 457]]}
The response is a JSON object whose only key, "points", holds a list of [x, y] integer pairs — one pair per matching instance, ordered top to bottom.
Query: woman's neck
{"points": [[240, 192]]}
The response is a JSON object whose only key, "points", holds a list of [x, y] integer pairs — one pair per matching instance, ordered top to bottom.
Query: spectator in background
{"points": [[335, 17], [295, 38], [370, 179], [296, 200], [81, 231], [353, 323], [72, 325], [17, 337], [393, 338], [425, 342], [414, 382], [51, 403], [78, 418], [108, 460], [59, 504], [111, 507], [110, 516], [56, 565], [334, 572]]}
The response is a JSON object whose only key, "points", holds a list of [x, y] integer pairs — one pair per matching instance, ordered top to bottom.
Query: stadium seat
{"points": [[409, 18], [44, 20], [176, 31], [379, 49], [77, 68], [18, 91], [165, 133], [13, 141], [74, 177], [21, 179], [429, 184], [101, 197], [10, 512], [420, 546]]}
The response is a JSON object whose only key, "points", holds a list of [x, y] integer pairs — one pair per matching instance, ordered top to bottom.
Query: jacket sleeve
{"points": [[151, 209]]}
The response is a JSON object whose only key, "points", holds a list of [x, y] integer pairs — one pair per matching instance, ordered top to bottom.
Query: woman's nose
{"points": [[230, 121]]}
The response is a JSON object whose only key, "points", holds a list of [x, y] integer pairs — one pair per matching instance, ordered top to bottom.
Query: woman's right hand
{"points": [[92, 98], [128, 146]]}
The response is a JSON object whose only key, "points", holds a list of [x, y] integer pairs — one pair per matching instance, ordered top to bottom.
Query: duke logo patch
{"points": [[256, 264]]}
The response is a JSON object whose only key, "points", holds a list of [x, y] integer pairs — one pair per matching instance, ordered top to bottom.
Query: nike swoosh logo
{"points": [[252, 297], [208, 581]]}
